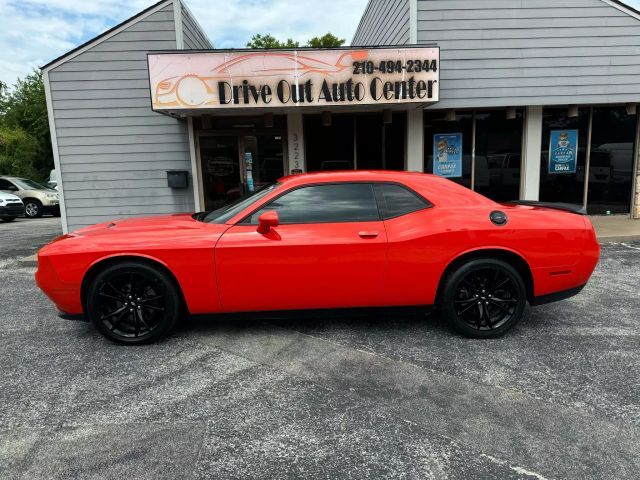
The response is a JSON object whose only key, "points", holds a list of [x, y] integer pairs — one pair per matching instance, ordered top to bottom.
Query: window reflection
{"points": [[434, 123], [498, 154], [611, 164], [563, 187], [325, 204]]}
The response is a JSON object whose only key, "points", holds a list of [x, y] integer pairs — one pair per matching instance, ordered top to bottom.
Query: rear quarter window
{"points": [[397, 200]]}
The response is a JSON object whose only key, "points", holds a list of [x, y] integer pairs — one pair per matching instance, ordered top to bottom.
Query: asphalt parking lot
{"points": [[389, 396]]}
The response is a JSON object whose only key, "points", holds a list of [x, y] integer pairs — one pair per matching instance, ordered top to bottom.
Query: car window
{"points": [[5, 184], [29, 184], [396, 200], [333, 203], [223, 214]]}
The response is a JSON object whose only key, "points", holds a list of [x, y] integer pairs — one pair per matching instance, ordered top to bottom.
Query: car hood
{"points": [[8, 196], [163, 223]]}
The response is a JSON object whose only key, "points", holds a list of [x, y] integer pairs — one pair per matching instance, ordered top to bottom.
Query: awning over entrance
{"points": [[234, 81]]}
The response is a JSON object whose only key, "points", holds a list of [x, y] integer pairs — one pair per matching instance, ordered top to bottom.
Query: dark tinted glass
{"points": [[435, 122], [498, 147], [611, 164], [5, 184], [563, 187], [395, 201], [353, 202]]}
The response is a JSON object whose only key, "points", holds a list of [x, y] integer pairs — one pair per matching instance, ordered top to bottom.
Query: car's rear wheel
{"points": [[32, 208], [8, 219], [483, 298], [133, 303]]}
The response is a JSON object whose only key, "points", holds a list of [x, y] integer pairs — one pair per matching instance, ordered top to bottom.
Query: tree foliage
{"points": [[327, 40], [269, 41], [25, 142]]}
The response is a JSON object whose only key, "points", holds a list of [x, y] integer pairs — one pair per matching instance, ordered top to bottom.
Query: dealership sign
{"points": [[293, 78]]}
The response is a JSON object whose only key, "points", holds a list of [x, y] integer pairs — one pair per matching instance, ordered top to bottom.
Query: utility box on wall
{"points": [[178, 179]]}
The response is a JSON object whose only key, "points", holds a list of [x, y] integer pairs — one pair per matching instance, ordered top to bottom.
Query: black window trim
{"points": [[427, 203]]}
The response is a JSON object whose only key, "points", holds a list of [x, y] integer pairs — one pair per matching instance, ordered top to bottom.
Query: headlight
{"points": [[52, 195], [2, 201]]}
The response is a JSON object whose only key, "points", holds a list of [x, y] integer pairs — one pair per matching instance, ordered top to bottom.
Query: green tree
{"points": [[327, 40], [269, 41], [24, 121], [18, 150]]}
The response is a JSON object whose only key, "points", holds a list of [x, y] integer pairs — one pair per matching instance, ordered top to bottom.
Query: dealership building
{"points": [[532, 100]]}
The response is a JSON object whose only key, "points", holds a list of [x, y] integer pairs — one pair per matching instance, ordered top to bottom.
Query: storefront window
{"points": [[435, 122], [378, 146], [329, 147], [498, 154], [611, 163], [563, 187]]}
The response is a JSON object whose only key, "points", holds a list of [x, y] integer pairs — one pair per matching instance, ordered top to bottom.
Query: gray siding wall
{"points": [[384, 22], [193, 36], [533, 52], [114, 151]]}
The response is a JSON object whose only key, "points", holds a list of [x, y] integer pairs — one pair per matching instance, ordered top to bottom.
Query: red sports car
{"points": [[328, 240]]}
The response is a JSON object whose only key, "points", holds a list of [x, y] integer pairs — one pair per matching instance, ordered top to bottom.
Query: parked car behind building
{"points": [[37, 198], [11, 207]]}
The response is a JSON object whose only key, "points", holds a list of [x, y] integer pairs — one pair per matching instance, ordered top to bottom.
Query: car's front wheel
{"points": [[32, 208], [483, 298], [133, 303]]}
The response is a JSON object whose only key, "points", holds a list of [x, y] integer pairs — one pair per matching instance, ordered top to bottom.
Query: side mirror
{"points": [[267, 221]]}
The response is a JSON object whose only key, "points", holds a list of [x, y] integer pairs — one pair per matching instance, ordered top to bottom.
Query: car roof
{"points": [[352, 175], [435, 188]]}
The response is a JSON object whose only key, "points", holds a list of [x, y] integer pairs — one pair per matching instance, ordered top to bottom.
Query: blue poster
{"points": [[563, 151], [447, 154]]}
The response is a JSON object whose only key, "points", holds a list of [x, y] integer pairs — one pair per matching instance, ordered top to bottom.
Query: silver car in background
{"points": [[37, 198]]}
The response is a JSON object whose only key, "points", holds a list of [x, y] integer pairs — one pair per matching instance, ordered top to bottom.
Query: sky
{"points": [[33, 32]]}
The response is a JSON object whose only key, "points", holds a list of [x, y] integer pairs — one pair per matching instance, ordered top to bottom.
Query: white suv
{"points": [[10, 207]]}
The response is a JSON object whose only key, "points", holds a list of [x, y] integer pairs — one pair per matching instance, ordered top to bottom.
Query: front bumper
{"points": [[12, 210], [64, 294]]}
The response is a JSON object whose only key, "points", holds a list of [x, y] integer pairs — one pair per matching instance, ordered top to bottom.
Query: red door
{"points": [[306, 261]]}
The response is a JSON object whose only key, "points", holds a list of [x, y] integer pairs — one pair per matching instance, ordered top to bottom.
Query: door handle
{"points": [[368, 234]]}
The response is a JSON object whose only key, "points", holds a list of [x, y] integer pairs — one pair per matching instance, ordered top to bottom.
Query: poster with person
{"points": [[563, 151], [447, 154]]}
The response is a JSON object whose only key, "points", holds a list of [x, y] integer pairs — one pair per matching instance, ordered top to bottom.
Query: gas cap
{"points": [[498, 217]]}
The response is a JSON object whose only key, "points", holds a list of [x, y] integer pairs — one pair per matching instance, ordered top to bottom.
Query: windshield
{"points": [[29, 184], [223, 214]]}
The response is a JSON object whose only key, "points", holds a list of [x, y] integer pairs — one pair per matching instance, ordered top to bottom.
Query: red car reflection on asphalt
{"points": [[324, 241]]}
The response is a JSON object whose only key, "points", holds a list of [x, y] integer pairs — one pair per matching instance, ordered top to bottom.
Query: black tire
{"points": [[32, 208], [8, 219], [483, 298], [133, 303]]}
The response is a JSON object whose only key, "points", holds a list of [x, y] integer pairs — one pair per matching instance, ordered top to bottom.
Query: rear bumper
{"points": [[557, 296]]}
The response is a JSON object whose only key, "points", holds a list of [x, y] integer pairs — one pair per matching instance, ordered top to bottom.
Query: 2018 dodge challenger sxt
{"points": [[324, 241]]}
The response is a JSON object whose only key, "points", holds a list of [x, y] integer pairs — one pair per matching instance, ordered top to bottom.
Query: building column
{"points": [[295, 143], [531, 149], [414, 161], [635, 178]]}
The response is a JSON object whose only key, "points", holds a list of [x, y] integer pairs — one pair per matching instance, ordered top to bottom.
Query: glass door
{"points": [[262, 160], [234, 165], [220, 167]]}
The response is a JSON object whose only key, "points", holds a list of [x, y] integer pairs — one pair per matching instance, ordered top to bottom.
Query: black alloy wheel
{"points": [[484, 298], [133, 303]]}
